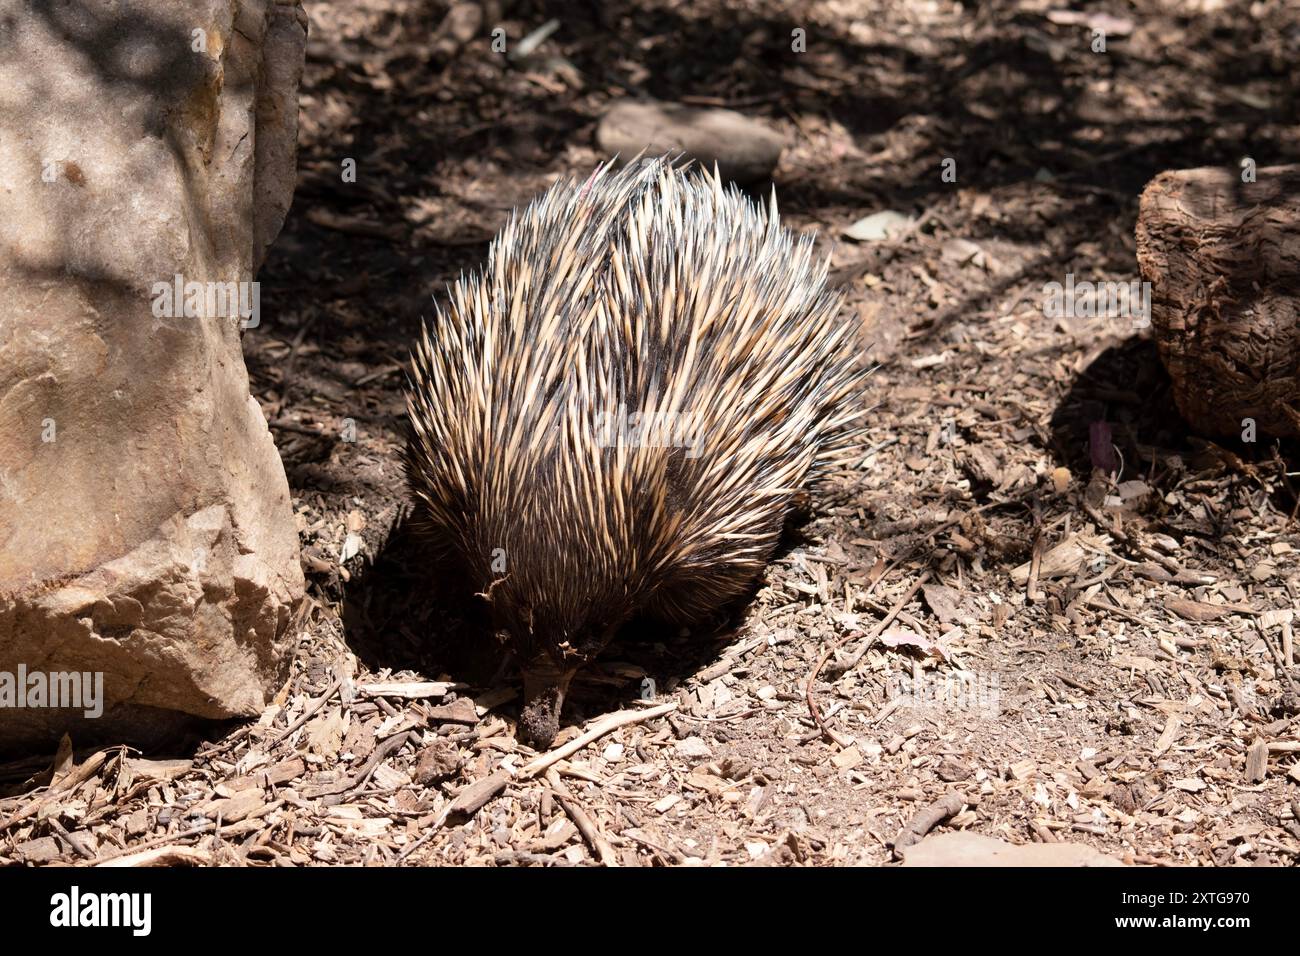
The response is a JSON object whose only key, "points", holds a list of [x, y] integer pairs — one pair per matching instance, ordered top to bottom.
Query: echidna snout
{"points": [[613, 417], [544, 688]]}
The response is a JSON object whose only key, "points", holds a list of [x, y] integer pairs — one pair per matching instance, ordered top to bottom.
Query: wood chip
{"points": [[1257, 761]]}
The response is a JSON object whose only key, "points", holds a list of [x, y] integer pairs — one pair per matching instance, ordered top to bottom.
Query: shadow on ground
{"points": [[409, 609]]}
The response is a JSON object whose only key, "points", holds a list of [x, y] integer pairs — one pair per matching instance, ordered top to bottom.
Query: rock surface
{"points": [[744, 149], [146, 531]]}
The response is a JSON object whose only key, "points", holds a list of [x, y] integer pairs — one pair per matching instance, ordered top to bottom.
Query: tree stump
{"points": [[1223, 260]]}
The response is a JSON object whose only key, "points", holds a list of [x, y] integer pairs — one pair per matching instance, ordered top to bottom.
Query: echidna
{"points": [[615, 414]]}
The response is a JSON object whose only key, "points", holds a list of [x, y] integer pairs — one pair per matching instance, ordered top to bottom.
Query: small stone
{"points": [[744, 149], [878, 226], [457, 712], [693, 749], [847, 759], [438, 761], [951, 771], [666, 803], [136, 822]]}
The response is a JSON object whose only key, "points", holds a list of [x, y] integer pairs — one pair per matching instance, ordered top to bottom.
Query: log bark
{"points": [[1223, 260]]}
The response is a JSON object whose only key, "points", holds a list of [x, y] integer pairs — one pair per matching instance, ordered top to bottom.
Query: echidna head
{"points": [[553, 632], [544, 690]]}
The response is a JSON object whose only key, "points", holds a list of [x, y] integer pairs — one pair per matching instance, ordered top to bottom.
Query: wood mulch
{"points": [[1006, 639]]}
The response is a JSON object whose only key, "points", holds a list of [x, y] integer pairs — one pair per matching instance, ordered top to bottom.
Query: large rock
{"points": [[743, 148], [146, 530]]}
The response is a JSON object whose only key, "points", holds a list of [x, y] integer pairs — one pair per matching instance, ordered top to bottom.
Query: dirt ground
{"points": [[1065, 659]]}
